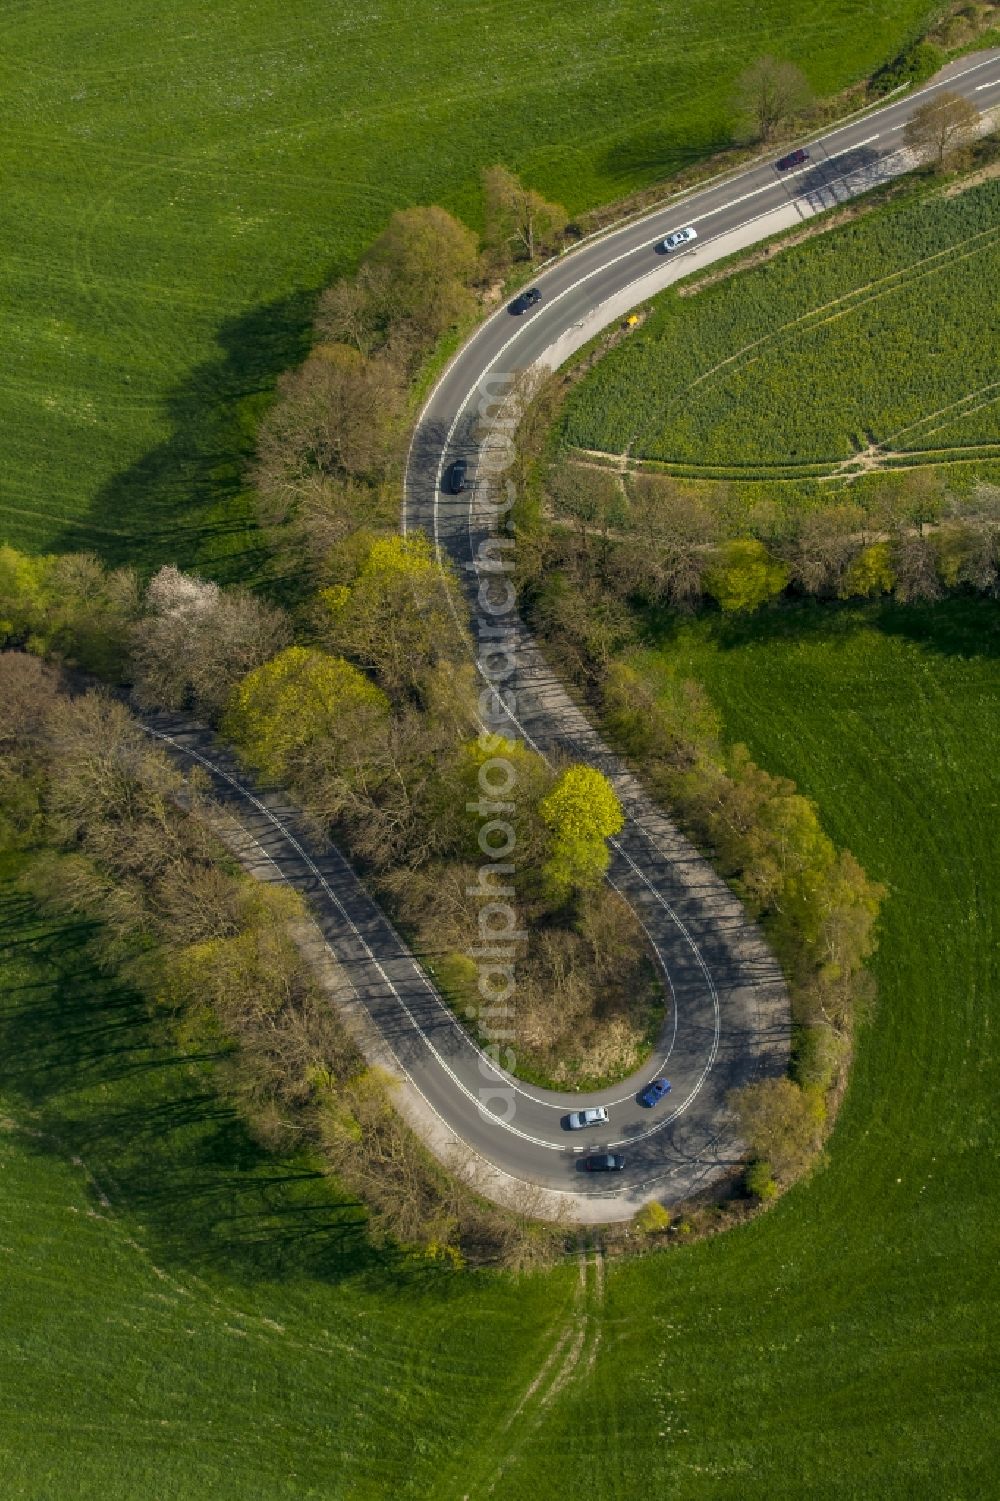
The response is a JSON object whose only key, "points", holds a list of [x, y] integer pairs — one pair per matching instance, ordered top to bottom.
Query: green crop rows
{"points": [[884, 331]]}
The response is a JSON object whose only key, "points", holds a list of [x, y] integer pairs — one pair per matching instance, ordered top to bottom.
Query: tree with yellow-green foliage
{"points": [[429, 260], [870, 572], [744, 576], [68, 606], [400, 616], [303, 708], [505, 779], [581, 813]]}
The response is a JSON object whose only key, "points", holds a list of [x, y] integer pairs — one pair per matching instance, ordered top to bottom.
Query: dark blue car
{"points": [[654, 1091]]}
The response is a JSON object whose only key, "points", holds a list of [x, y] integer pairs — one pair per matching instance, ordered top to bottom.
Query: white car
{"points": [[678, 238], [597, 1116]]}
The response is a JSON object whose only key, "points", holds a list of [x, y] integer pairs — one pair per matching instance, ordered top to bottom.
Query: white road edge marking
{"points": [[262, 808]]}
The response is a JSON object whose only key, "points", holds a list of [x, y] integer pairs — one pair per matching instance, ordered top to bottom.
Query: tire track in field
{"points": [[871, 291], [978, 399], [570, 1359]]}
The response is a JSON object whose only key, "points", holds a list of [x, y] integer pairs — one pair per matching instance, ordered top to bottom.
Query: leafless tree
{"points": [[769, 92], [942, 129], [337, 413], [824, 543], [914, 563], [195, 641], [28, 690]]}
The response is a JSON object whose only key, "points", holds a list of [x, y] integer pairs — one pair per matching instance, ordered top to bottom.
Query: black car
{"points": [[793, 159], [524, 300], [456, 477], [604, 1162]]}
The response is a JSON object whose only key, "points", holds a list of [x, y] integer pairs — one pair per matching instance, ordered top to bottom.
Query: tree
{"points": [[769, 92], [942, 128], [519, 221], [419, 273], [348, 313], [337, 413], [673, 527], [824, 546], [966, 553], [914, 565], [869, 572], [744, 576], [21, 579], [69, 606], [402, 614], [588, 623], [195, 641], [28, 691], [303, 703], [677, 723], [506, 772], [112, 792], [581, 812], [849, 904], [613, 934], [781, 1122], [652, 1219]]}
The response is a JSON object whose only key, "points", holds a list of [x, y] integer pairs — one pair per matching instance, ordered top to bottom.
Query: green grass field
{"points": [[180, 180], [882, 331], [184, 1316], [219, 1327]]}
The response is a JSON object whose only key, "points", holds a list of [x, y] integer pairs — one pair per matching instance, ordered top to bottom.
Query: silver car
{"points": [[678, 238], [596, 1116]]}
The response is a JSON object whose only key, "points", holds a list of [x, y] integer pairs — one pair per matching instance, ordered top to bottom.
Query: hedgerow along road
{"points": [[727, 1020]]}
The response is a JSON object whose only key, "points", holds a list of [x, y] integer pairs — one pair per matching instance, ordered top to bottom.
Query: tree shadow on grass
{"points": [[654, 155], [187, 500], [959, 626], [96, 1079]]}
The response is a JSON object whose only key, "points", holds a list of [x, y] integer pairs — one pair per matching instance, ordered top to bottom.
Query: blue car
{"points": [[654, 1091]]}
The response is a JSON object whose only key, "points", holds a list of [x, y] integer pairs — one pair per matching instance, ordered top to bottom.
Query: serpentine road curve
{"points": [[727, 1020]]}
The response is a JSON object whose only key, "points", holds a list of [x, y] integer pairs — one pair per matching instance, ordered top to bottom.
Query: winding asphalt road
{"points": [[727, 1020]]}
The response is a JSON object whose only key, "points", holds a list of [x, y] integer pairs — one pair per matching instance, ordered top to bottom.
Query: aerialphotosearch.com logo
{"points": [[499, 935]]}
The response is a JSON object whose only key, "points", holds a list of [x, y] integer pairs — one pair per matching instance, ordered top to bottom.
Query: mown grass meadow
{"points": [[179, 182]]}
